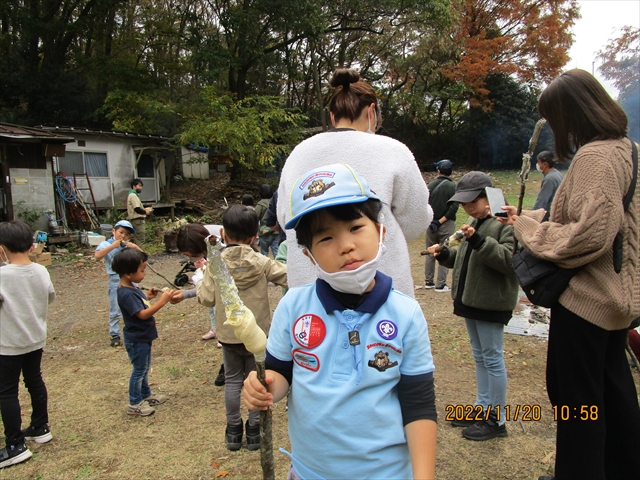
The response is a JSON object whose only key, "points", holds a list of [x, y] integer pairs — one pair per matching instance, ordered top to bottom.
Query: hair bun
{"points": [[344, 77]]}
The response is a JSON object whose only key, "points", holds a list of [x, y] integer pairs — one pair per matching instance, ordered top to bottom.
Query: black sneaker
{"points": [[429, 285], [115, 341], [219, 381], [463, 423], [485, 430], [41, 434], [253, 436], [233, 437], [13, 454]]}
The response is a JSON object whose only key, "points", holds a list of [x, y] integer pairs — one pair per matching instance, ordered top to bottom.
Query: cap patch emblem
{"points": [[317, 188], [387, 329], [309, 331], [306, 360], [381, 361]]}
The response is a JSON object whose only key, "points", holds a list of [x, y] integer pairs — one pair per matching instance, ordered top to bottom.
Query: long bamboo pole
{"points": [[526, 167], [251, 335]]}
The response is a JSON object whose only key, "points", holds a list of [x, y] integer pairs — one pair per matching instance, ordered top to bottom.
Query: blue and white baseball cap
{"points": [[327, 186], [125, 224]]}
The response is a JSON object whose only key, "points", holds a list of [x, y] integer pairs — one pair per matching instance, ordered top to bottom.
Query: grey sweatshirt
{"points": [[25, 294]]}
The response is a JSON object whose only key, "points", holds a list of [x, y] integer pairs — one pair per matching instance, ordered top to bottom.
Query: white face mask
{"points": [[369, 125], [538, 167], [4, 258], [353, 281]]}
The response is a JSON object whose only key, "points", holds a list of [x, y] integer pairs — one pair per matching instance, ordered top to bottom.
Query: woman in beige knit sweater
{"points": [[588, 378]]}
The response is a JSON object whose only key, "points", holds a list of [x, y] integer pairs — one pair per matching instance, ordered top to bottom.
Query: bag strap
{"points": [[439, 185], [632, 187], [617, 242]]}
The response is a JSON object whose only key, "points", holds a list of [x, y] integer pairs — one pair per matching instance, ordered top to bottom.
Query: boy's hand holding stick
{"points": [[250, 334]]}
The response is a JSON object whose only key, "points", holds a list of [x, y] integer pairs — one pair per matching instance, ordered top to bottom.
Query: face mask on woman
{"points": [[369, 124], [538, 167], [353, 281]]}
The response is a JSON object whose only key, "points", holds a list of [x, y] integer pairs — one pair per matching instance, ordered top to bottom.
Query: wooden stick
{"points": [[526, 167], [162, 276], [266, 429]]}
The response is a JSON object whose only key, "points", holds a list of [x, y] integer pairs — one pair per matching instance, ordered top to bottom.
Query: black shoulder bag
{"points": [[543, 281]]}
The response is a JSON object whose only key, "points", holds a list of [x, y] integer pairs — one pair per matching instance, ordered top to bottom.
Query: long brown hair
{"points": [[352, 96], [579, 110]]}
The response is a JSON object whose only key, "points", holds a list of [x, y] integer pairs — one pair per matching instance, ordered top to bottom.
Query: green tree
{"points": [[252, 132], [496, 138]]}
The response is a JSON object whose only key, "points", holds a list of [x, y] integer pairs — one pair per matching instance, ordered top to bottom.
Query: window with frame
{"points": [[93, 163]]}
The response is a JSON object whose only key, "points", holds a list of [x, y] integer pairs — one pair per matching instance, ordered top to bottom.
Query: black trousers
{"points": [[10, 368], [590, 385]]}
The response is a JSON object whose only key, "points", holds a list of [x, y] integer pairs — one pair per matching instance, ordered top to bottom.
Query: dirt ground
{"points": [[94, 438]]}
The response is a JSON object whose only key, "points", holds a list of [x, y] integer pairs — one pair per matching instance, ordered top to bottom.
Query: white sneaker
{"points": [[444, 288]]}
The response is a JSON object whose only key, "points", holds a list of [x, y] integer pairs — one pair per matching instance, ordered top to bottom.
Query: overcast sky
{"points": [[601, 20]]}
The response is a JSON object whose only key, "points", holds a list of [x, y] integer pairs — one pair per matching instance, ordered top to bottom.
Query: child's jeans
{"points": [[114, 309], [487, 340], [140, 356], [238, 362], [10, 367]]}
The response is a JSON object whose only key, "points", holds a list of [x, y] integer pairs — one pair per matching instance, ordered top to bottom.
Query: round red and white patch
{"points": [[309, 331]]}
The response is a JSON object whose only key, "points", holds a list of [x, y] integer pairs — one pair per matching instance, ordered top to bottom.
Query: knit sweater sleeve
{"points": [[587, 217]]}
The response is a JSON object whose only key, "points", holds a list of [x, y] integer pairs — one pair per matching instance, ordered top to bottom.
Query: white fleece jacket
{"points": [[392, 173]]}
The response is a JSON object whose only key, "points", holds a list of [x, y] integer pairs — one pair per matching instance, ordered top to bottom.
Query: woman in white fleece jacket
{"points": [[387, 164]]}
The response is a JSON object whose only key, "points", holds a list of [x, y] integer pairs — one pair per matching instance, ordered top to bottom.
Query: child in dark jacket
{"points": [[485, 292]]}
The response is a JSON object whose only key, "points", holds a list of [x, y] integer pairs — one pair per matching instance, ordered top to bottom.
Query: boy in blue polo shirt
{"points": [[119, 240], [355, 352]]}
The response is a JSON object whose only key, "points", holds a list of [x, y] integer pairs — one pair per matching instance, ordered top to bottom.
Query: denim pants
{"points": [[269, 240], [430, 263], [114, 310], [212, 317], [140, 356], [238, 362], [10, 368], [491, 375], [588, 376]]}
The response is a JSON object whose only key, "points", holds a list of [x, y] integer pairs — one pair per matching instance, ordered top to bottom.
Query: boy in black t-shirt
{"points": [[139, 327]]}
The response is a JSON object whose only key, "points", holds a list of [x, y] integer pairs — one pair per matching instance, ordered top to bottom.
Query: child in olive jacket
{"points": [[485, 292]]}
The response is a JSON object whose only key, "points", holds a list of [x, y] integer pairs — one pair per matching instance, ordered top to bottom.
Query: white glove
{"points": [[197, 276]]}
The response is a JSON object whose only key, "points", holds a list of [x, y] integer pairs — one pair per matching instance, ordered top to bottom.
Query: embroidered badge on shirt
{"points": [[387, 329], [309, 331], [306, 360], [381, 361]]}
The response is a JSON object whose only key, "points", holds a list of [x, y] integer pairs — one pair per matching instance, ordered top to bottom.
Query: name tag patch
{"points": [[309, 331], [306, 360]]}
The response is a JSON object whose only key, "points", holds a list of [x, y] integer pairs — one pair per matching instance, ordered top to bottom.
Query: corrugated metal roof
{"points": [[19, 132], [113, 133]]}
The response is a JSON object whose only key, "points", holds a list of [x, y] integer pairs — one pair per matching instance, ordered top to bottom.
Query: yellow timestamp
{"points": [[581, 412], [526, 413]]}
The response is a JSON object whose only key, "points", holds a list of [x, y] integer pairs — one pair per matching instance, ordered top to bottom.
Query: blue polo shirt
{"points": [[108, 258], [345, 419]]}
